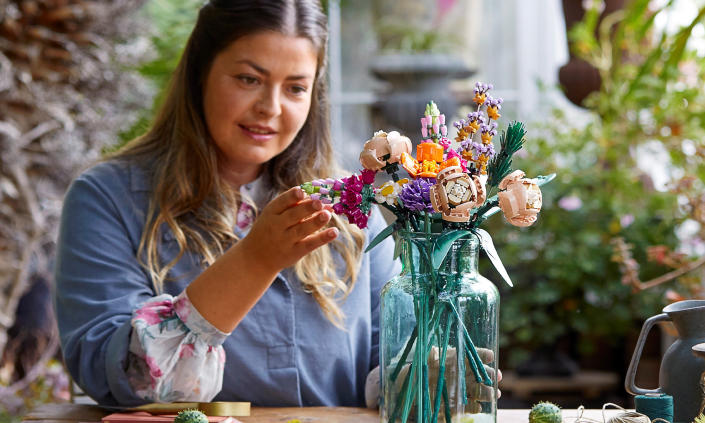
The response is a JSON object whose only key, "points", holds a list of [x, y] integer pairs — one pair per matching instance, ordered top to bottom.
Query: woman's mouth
{"points": [[258, 133]]}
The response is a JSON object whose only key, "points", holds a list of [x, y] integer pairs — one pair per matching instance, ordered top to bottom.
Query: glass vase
{"points": [[439, 334]]}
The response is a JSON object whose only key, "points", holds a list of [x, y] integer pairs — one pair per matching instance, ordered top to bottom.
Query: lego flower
{"points": [[481, 93], [494, 105], [433, 124], [468, 128], [488, 131], [383, 149], [463, 163], [389, 191], [456, 193], [415, 195], [351, 196], [520, 199]]}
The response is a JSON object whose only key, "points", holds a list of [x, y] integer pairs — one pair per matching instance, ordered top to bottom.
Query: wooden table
{"points": [[75, 413]]}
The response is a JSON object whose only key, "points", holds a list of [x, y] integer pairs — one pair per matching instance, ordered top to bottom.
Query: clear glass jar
{"points": [[436, 313]]}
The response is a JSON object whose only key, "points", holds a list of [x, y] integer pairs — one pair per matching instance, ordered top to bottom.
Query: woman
{"points": [[168, 286]]}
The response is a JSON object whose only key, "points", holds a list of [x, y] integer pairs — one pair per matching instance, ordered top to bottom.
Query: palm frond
{"points": [[511, 141]]}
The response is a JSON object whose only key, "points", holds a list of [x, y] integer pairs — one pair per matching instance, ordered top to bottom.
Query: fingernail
{"points": [[299, 193], [317, 205], [324, 216], [333, 233]]}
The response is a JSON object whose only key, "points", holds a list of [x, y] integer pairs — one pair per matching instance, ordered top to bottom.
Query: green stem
{"points": [[391, 209], [427, 347], [405, 354], [475, 356], [460, 357], [420, 361], [478, 368], [441, 372], [409, 397], [446, 403], [397, 404]]}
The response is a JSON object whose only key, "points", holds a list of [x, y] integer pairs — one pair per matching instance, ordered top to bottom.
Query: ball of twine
{"points": [[624, 417]]}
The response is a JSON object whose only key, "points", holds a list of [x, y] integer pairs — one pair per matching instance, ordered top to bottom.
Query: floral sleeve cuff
{"points": [[196, 323], [176, 354]]}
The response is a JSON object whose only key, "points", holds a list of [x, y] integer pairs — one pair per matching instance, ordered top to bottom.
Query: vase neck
{"points": [[462, 255]]}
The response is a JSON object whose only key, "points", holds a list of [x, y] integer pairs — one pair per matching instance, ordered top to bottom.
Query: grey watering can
{"points": [[681, 369]]}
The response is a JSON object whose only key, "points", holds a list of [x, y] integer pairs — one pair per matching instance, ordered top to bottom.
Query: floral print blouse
{"points": [[173, 345]]}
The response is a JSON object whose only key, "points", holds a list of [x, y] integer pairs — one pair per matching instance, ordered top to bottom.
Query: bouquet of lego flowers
{"points": [[447, 188], [439, 197]]}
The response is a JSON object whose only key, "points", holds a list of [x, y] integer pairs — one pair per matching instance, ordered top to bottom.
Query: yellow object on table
{"points": [[224, 408]]}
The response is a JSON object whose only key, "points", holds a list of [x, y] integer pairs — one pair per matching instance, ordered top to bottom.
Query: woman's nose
{"points": [[269, 104]]}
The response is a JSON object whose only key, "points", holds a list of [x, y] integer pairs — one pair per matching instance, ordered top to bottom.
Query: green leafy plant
{"points": [[171, 21], [414, 27], [566, 281]]}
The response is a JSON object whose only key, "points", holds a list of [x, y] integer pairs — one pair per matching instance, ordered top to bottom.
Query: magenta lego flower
{"points": [[463, 163], [367, 176], [352, 183], [351, 196], [339, 208]]}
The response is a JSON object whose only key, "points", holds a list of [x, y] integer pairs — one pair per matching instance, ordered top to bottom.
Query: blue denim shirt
{"points": [[283, 353]]}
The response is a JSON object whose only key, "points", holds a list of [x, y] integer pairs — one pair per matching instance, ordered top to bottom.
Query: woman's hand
{"points": [[287, 229], [476, 392]]}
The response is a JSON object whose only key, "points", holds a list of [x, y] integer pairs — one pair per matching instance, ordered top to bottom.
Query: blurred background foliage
{"points": [[172, 21], [77, 79], [622, 170]]}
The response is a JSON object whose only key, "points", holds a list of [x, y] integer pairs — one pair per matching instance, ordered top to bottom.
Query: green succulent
{"points": [[545, 412], [191, 416]]}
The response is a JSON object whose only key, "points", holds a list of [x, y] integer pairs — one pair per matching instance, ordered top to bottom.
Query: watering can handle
{"points": [[631, 372]]}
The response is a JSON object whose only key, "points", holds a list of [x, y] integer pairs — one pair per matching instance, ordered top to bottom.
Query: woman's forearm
{"points": [[288, 228], [228, 289]]}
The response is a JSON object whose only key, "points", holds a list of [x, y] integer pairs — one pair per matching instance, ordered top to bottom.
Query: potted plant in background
{"points": [[415, 60], [579, 78], [646, 121]]}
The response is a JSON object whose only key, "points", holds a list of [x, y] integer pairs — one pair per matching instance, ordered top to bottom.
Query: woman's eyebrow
{"points": [[265, 72]]}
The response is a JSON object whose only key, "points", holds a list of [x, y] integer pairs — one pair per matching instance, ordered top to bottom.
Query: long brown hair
{"points": [[188, 195]]}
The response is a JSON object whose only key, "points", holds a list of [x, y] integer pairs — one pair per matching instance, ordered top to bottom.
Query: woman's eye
{"points": [[248, 80], [298, 89]]}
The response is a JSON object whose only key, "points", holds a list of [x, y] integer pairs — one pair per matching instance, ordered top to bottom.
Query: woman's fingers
{"points": [[285, 200], [300, 211], [308, 226], [316, 240], [486, 355]]}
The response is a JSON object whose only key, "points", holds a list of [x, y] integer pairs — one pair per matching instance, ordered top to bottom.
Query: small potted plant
{"points": [[416, 60]]}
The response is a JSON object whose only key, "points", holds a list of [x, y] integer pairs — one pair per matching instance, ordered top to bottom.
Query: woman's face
{"points": [[256, 98]]}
